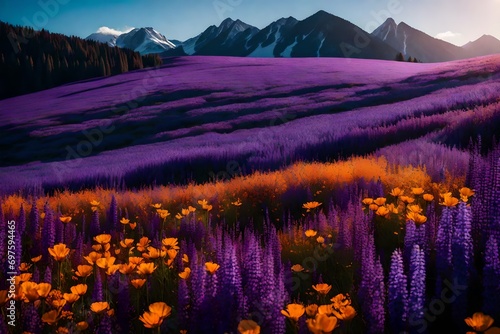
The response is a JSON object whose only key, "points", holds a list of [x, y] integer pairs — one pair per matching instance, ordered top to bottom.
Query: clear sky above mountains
{"points": [[456, 21]]}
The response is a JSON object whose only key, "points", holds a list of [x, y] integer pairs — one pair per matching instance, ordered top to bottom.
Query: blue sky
{"points": [[457, 21]]}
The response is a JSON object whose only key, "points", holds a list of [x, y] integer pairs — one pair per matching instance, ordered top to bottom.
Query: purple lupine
{"points": [[21, 221], [112, 221], [95, 225], [430, 226], [33, 227], [33, 230], [48, 231], [70, 234], [415, 235], [3, 239], [443, 246], [462, 255], [252, 268], [36, 275], [47, 277], [491, 283], [231, 285], [417, 287], [97, 293], [397, 293], [183, 304], [32, 321]]}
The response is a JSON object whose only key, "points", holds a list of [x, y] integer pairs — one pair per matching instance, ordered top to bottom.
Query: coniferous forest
{"points": [[35, 60]]}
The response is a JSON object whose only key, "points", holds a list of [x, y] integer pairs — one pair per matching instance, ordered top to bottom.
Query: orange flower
{"points": [[417, 191], [396, 192], [465, 193], [428, 197], [407, 199], [367, 201], [380, 201], [449, 201], [203, 202], [94, 203], [237, 203], [311, 205], [156, 206], [373, 207], [415, 208], [382, 211], [185, 212], [163, 213], [416, 217], [65, 219], [124, 221], [132, 226], [310, 233], [103, 238], [320, 240], [127, 243], [170, 243], [143, 244], [59, 252], [154, 253], [92, 257], [185, 258], [36, 259], [135, 260], [105, 263], [24, 267], [211, 267], [127, 268], [146, 268], [297, 268], [84, 270], [185, 274], [138, 282], [322, 288], [43, 289], [79, 289], [29, 291], [71, 297], [58, 303], [99, 307], [160, 308], [326, 309], [311, 310], [294, 311], [345, 312], [51, 317], [151, 320], [479, 321], [321, 324], [82, 325], [248, 327]]}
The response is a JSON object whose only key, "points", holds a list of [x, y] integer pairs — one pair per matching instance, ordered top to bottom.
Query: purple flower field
{"points": [[224, 195]]}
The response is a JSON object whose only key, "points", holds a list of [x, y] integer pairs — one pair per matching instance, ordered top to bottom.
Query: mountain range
{"points": [[320, 35]]}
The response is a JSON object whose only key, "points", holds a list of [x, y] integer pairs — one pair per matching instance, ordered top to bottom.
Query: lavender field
{"points": [[252, 195]]}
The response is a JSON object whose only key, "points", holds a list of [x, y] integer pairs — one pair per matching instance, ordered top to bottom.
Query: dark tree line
{"points": [[35, 60]]}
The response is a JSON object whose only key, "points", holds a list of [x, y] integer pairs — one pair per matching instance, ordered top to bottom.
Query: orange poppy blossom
{"points": [[396, 192], [311, 205], [65, 219], [310, 233], [103, 238], [59, 252], [211, 267], [146, 268], [297, 268], [84, 270], [186, 273], [138, 282], [322, 288], [79, 289], [99, 307], [294, 311], [51, 317], [151, 320], [479, 321], [321, 323], [248, 327]]}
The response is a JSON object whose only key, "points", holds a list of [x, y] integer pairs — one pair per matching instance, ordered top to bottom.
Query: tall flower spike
{"points": [[491, 273], [417, 284], [397, 293]]}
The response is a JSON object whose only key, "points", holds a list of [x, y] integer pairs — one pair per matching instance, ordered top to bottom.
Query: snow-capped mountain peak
{"points": [[145, 41]]}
